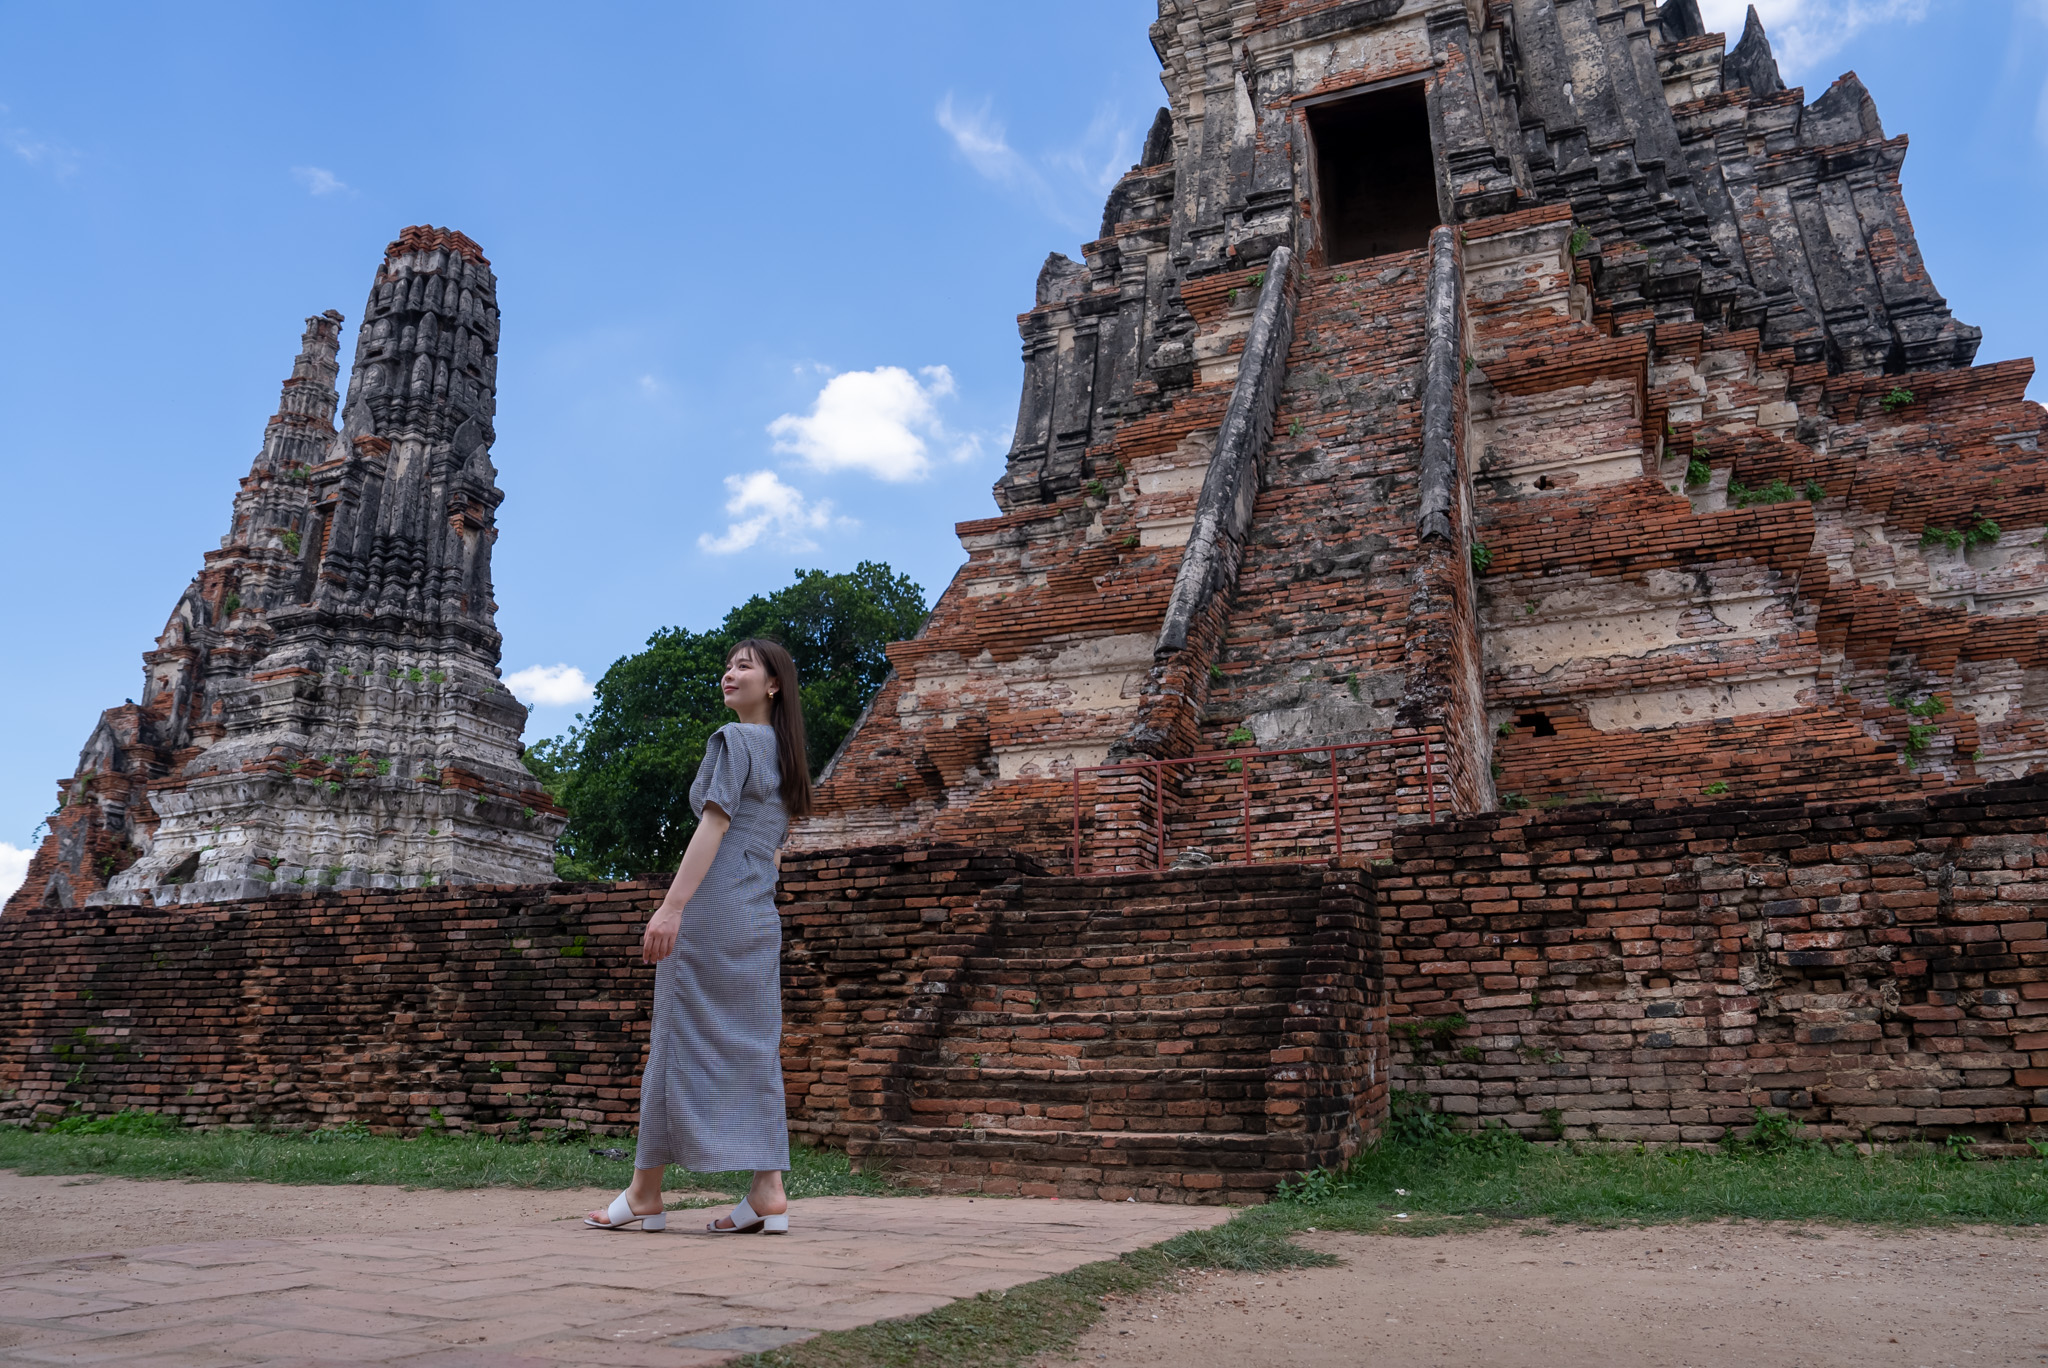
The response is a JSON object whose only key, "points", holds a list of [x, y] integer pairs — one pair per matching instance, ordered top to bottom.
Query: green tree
{"points": [[835, 627], [623, 772]]}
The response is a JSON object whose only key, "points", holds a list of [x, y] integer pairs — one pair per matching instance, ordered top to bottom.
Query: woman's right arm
{"points": [[660, 936]]}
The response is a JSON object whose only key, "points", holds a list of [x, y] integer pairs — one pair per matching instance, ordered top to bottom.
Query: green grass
{"points": [[133, 1145], [1443, 1182]]}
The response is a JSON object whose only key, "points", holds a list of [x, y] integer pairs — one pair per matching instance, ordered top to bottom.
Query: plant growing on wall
{"points": [[1777, 491], [1981, 532]]}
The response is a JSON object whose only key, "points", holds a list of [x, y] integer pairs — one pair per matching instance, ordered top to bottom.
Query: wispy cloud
{"points": [[1806, 32], [981, 140], [59, 159], [319, 180], [1067, 183], [883, 422], [763, 506], [549, 686], [13, 869]]}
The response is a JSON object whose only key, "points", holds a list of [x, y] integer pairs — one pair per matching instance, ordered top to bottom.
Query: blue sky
{"points": [[759, 269]]}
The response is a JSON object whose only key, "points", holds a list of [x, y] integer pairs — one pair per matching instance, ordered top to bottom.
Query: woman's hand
{"points": [[660, 936]]}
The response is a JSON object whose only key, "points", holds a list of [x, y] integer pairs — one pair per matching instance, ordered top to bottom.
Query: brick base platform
{"points": [[1634, 971]]}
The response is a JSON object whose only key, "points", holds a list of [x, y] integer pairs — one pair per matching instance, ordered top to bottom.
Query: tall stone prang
{"points": [[1542, 391], [323, 708]]}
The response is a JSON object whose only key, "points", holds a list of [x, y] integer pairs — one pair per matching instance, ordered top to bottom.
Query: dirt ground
{"points": [[52, 1215], [1747, 1295], [1752, 1295]]}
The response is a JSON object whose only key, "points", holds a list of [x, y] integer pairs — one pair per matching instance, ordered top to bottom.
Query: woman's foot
{"points": [[643, 1197], [766, 1197], [601, 1216]]}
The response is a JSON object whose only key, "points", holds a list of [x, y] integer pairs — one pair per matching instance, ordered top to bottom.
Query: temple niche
{"points": [[323, 708]]}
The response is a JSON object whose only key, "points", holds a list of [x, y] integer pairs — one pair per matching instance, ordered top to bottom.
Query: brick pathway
{"points": [[552, 1293]]}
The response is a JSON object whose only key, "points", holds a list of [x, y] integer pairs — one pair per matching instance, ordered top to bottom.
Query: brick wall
{"points": [[1650, 971], [1655, 972], [496, 1007], [499, 1008]]}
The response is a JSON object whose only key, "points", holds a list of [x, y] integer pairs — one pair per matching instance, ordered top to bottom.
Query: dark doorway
{"points": [[1375, 172]]}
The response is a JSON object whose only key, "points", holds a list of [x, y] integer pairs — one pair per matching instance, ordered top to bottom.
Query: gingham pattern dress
{"points": [[711, 1098]]}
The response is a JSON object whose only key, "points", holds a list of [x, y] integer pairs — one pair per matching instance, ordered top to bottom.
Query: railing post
{"points": [[1429, 775], [1244, 785], [1336, 812], [1159, 813], [1077, 822]]}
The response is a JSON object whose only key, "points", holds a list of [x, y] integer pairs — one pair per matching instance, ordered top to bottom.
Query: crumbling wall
{"points": [[1650, 970], [1659, 971]]}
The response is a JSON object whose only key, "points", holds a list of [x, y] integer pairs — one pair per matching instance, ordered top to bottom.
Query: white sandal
{"points": [[620, 1214], [745, 1221]]}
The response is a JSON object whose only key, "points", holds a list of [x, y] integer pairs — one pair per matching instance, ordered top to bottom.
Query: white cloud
{"points": [[1806, 32], [980, 140], [47, 153], [318, 181], [1067, 183], [883, 422], [763, 506], [549, 686], [13, 869]]}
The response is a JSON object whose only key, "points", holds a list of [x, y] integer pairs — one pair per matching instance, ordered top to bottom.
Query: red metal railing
{"points": [[1160, 767]]}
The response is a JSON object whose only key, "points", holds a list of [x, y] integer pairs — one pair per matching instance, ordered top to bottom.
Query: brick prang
{"points": [[323, 707]]}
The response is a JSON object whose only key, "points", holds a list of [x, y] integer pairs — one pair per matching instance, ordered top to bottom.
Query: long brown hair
{"points": [[786, 715]]}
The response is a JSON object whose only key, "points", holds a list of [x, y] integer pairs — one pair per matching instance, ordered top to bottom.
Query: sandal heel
{"points": [[658, 1221], [775, 1225]]}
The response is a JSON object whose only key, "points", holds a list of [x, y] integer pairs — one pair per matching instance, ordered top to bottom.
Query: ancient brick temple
{"points": [[1544, 394], [1661, 469], [1509, 587], [323, 707]]}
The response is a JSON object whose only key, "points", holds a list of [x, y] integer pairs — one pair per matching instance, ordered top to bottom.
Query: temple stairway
{"points": [[1321, 634], [1179, 1036]]}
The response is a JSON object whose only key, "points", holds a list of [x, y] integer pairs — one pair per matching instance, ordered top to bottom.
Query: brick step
{"points": [[1129, 978], [1200, 1037], [1211, 1100], [1171, 1166]]}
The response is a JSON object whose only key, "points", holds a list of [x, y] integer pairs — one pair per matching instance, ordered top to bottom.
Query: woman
{"points": [[711, 1098]]}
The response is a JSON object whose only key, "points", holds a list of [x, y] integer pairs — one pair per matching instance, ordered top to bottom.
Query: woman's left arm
{"points": [[660, 936]]}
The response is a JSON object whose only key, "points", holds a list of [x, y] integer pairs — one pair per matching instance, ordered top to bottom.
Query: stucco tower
{"points": [[324, 707]]}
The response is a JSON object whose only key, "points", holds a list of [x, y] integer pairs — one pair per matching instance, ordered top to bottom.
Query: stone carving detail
{"points": [[323, 707]]}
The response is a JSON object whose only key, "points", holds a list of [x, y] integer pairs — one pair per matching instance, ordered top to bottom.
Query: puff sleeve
{"points": [[721, 776]]}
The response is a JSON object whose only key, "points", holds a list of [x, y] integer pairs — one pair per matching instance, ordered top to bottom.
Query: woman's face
{"points": [[746, 685]]}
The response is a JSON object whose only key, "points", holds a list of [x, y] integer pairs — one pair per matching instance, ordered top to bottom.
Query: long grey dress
{"points": [[711, 1098]]}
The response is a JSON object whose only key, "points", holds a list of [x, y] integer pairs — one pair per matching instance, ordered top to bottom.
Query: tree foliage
{"points": [[623, 772]]}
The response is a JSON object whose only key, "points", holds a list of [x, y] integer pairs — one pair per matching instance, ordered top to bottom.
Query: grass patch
{"points": [[136, 1145], [1777, 1174], [998, 1329]]}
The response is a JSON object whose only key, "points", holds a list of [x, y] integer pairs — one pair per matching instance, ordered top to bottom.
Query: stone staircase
{"points": [[1188, 1036]]}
